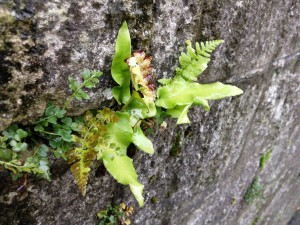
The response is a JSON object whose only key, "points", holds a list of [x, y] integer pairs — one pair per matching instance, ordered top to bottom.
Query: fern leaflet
{"points": [[194, 62], [81, 160]]}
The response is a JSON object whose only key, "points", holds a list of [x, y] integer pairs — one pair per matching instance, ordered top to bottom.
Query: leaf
{"points": [[194, 62], [119, 69], [86, 74], [185, 93], [180, 112], [67, 121], [10, 131], [120, 133], [20, 134], [65, 134], [141, 141], [18, 146], [81, 160], [122, 169], [137, 191]]}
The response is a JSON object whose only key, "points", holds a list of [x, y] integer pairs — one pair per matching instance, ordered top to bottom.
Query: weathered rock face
{"points": [[200, 172]]}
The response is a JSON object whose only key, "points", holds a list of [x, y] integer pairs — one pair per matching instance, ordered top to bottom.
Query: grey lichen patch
{"points": [[20, 64]]}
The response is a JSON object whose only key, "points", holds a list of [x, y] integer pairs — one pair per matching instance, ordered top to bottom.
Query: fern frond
{"points": [[194, 62], [81, 160]]}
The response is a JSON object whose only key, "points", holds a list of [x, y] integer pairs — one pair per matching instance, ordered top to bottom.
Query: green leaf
{"points": [[194, 62], [119, 69], [86, 74], [89, 84], [185, 93], [83, 95], [77, 96], [138, 108], [180, 112], [60, 113], [52, 119], [67, 121], [10, 131], [120, 133], [20, 134], [65, 134], [141, 141], [18, 146], [42, 151], [122, 169], [137, 191]]}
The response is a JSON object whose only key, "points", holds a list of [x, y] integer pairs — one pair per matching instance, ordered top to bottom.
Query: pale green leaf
{"points": [[119, 69], [185, 93], [180, 112], [120, 133], [141, 141], [122, 169], [137, 191]]}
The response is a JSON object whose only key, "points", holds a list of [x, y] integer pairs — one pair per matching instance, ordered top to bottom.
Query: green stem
{"points": [[127, 103], [46, 132], [9, 165]]}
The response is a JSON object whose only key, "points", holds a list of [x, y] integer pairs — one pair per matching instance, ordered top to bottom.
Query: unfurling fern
{"points": [[194, 62]]}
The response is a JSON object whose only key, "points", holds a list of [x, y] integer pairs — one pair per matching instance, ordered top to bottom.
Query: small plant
{"points": [[105, 134], [264, 158], [254, 191], [115, 215]]}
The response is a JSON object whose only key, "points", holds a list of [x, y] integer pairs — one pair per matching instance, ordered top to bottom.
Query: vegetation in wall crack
{"points": [[105, 134], [264, 158], [254, 191], [115, 215]]}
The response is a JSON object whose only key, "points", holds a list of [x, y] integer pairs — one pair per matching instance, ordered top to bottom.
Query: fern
{"points": [[194, 62], [81, 160]]}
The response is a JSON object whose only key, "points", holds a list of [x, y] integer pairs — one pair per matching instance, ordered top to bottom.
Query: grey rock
{"points": [[200, 172]]}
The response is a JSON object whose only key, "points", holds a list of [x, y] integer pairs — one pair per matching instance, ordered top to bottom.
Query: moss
{"points": [[6, 17], [176, 147], [264, 158], [153, 179], [254, 191], [154, 200], [255, 221]]}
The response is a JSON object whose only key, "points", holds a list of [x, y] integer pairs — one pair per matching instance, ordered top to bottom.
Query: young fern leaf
{"points": [[194, 62], [119, 69], [177, 95], [81, 160], [122, 169]]}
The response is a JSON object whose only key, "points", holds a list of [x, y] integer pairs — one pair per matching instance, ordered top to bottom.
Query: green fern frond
{"points": [[194, 62], [81, 160]]}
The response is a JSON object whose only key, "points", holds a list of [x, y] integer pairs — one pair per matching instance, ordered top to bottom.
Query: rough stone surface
{"points": [[200, 172]]}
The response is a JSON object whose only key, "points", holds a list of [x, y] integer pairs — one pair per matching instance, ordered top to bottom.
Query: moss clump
{"points": [[176, 147], [264, 158], [254, 191], [153, 200]]}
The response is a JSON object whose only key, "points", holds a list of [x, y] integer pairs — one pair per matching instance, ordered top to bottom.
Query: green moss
{"points": [[176, 147], [264, 158], [152, 180], [254, 191], [153, 200], [255, 221]]}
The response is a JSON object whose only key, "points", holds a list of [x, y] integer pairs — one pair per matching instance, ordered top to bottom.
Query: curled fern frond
{"points": [[194, 62]]}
